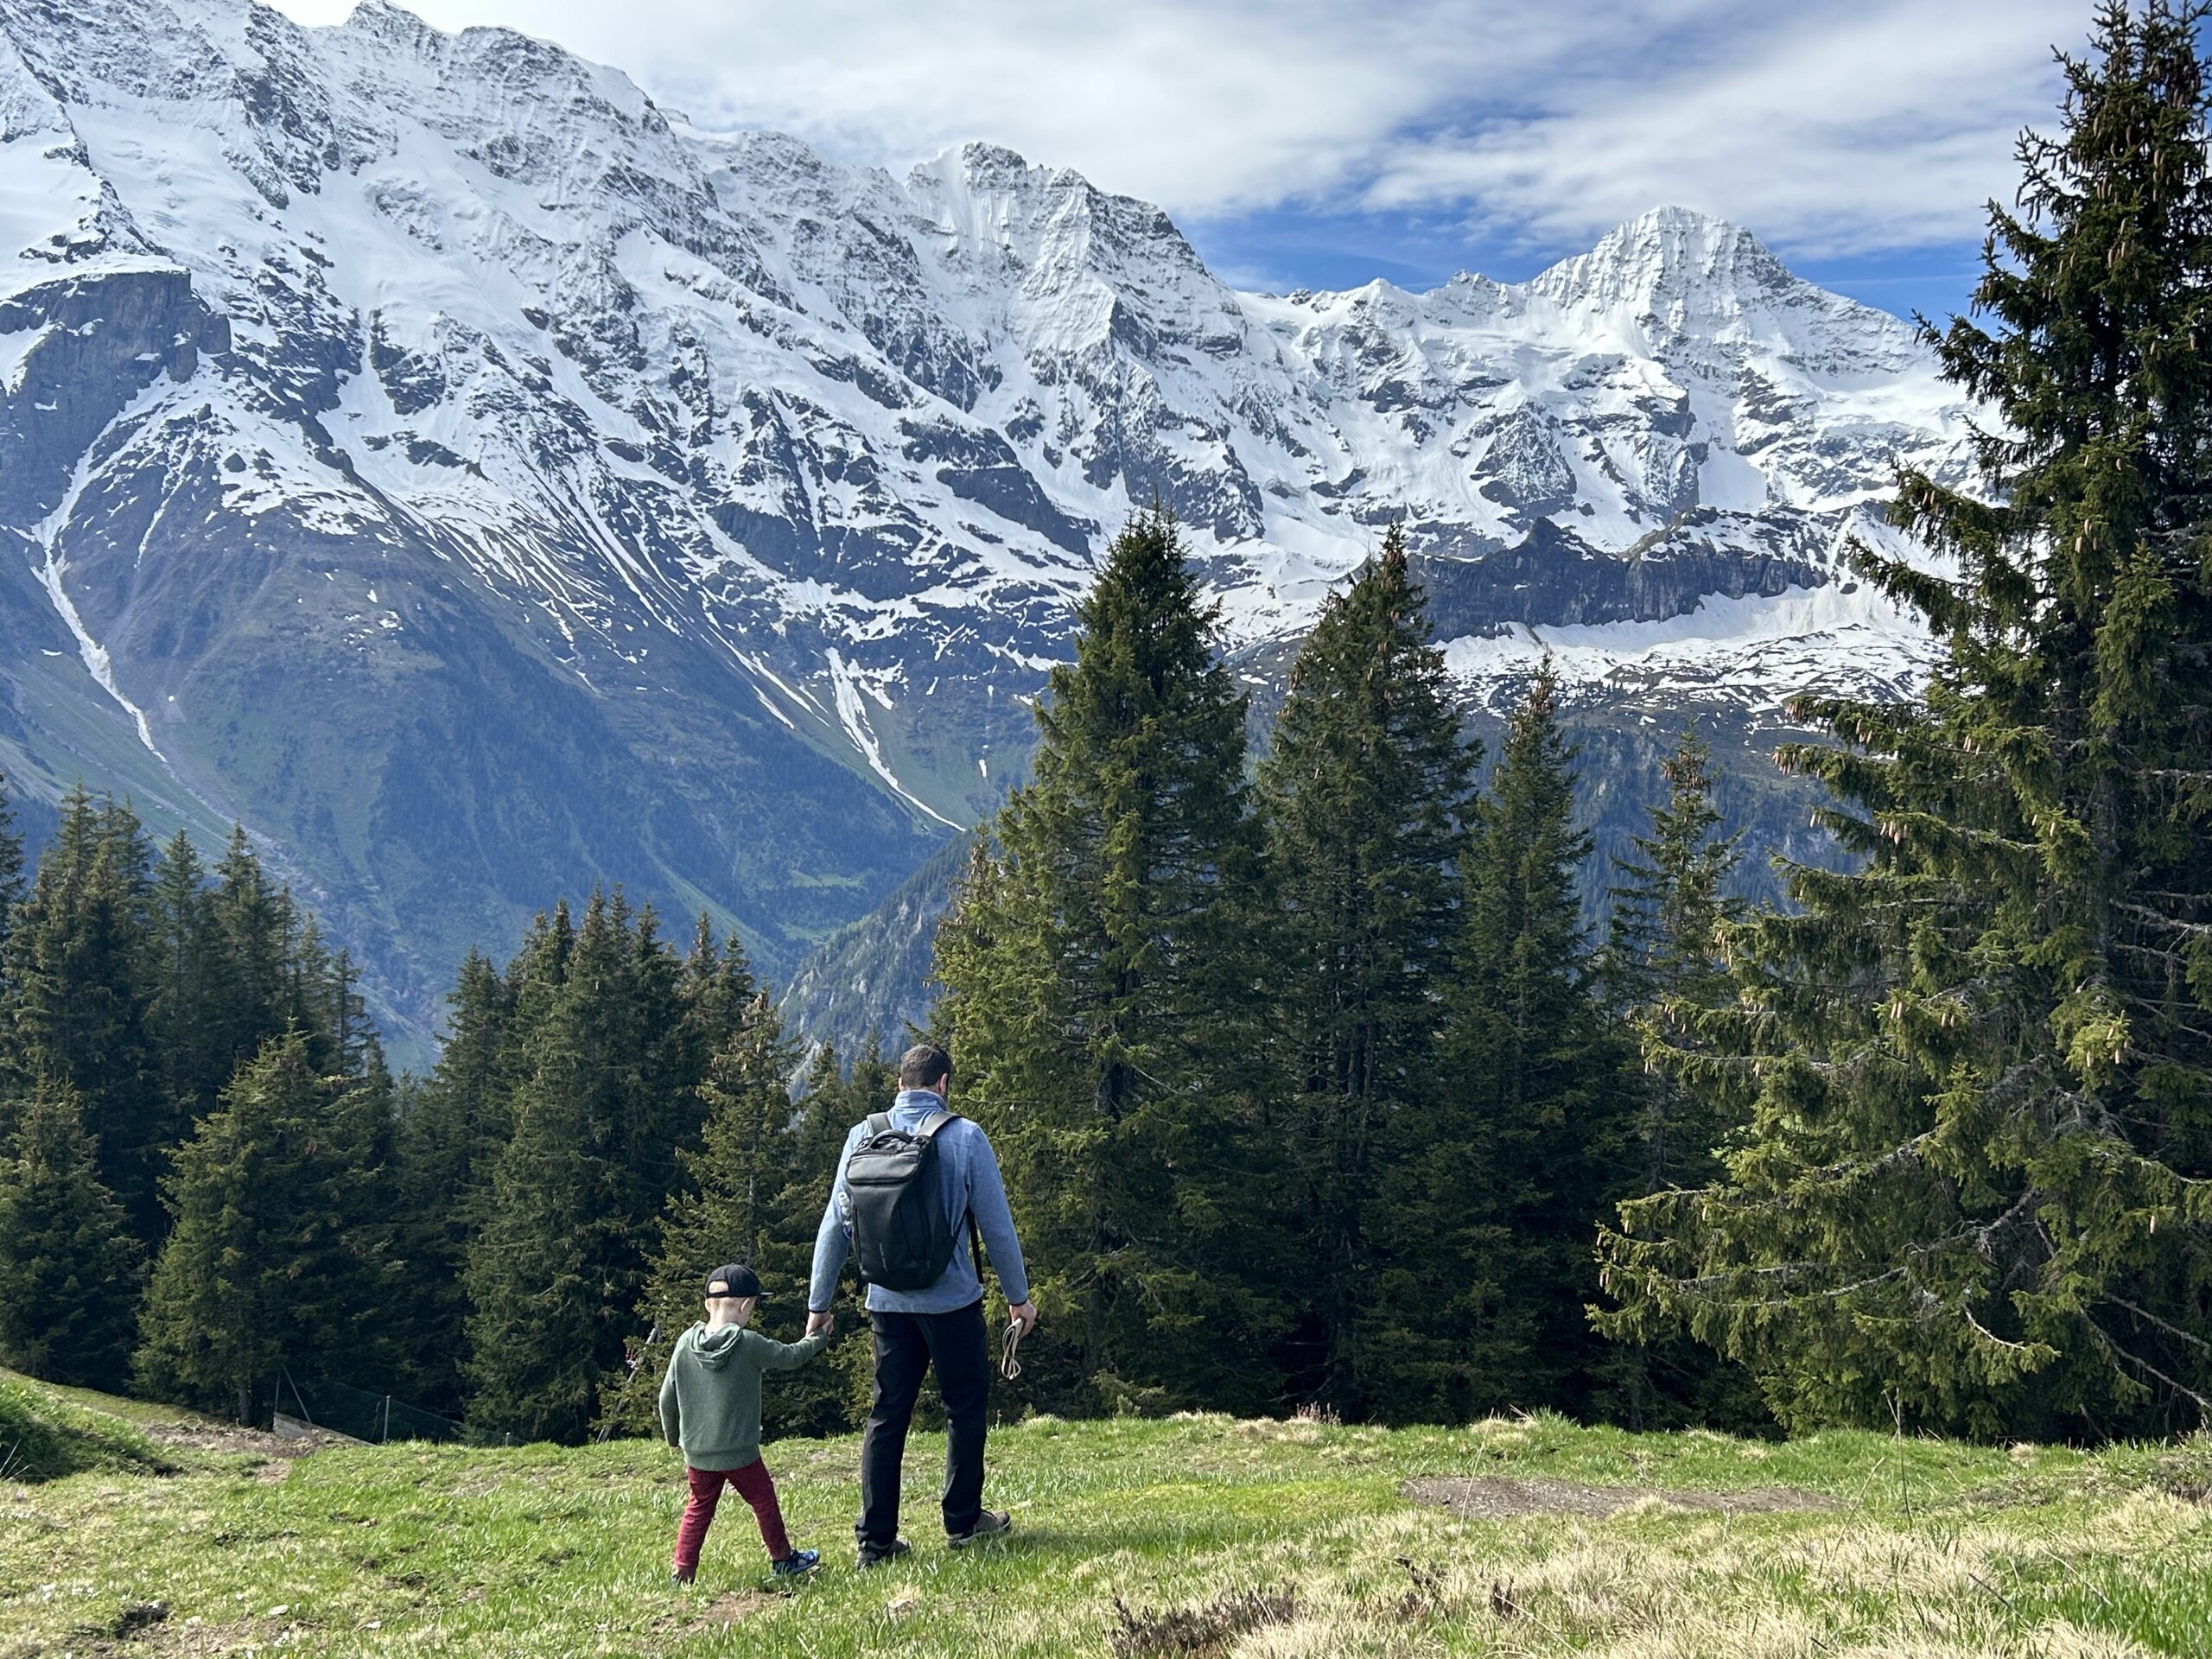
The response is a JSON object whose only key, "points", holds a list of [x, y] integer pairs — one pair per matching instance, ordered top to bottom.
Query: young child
{"points": [[710, 1407]]}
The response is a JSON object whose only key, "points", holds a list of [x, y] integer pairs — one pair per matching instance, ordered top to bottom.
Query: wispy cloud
{"points": [[1831, 126]]}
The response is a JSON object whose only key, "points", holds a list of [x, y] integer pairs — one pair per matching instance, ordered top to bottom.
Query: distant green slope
{"points": [[872, 977], [1195, 1535]]}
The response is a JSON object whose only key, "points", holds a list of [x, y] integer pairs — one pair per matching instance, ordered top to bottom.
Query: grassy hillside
{"points": [[45, 1435], [1196, 1536]]}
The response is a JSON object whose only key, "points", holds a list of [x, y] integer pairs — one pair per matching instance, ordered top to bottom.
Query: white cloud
{"points": [[1828, 125], [1879, 127]]}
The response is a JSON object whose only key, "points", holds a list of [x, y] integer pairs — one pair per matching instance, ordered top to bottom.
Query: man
{"points": [[941, 1324]]}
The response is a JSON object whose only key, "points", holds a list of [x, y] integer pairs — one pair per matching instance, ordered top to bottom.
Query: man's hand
{"points": [[1023, 1314], [820, 1322]]}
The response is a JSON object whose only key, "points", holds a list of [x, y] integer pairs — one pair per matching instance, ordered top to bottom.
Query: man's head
{"points": [[925, 1067], [732, 1294]]}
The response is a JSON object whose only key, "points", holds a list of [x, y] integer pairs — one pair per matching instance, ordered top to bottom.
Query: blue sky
{"points": [[1312, 144]]}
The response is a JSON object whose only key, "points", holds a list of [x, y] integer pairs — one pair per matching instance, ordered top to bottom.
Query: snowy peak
{"points": [[1669, 252], [1674, 276], [408, 356]]}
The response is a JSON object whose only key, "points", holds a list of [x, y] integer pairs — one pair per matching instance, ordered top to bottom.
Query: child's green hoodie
{"points": [[710, 1399]]}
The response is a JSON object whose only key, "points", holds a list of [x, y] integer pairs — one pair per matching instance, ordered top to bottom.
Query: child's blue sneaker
{"points": [[799, 1561]]}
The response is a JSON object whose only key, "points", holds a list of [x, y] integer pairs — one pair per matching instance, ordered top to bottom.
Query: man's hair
{"points": [[923, 1066]]}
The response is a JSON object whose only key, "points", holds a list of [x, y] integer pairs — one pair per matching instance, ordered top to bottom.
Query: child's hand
{"points": [[829, 1325]]}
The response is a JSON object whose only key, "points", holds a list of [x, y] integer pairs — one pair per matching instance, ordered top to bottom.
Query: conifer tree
{"points": [[1364, 795], [255, 919], [1662, 956], [1660, 967], [79, 971], [717, 989], [1102, 991], [189, 1013], [872, 1087], [608, 1096], [830, 1103], [448, 1143], [738, 1172], [1976, 1185], [1497, 1197], [272, 1262], [68, 1266], [535, 1272]]}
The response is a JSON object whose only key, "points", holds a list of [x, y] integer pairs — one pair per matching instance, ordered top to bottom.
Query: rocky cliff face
{"points": [[430, 452]]}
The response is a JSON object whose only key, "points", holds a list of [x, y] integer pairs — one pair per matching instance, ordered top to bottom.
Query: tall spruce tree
{"points": [[1364, 795], [254, 920], [1662, 955], [1661, 965], [79, 986], [1101, 992], [189, 1013], [872, 1087], [607, 1095], [450, 1141], [1519, 1150], [1977, 1183], [274, 1261], [68, 1266], [536, 1270]]}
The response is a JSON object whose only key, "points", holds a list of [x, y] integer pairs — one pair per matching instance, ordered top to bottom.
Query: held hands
{"points": [[821, 1322]]}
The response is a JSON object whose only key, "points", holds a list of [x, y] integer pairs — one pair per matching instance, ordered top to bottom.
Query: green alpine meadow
{"points": [[1296, 1218], [1194, 1534]]}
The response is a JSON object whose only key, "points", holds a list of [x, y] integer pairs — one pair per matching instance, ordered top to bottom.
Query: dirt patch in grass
{"points": [[199, 1434], [1494, 1498], [730, 1607]]}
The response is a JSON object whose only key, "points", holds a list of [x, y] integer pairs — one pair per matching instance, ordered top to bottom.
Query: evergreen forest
{"points": [[1312, 1090]]}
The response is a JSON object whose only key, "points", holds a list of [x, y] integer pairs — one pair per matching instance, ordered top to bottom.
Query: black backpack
{"points": [[902, 1239]]}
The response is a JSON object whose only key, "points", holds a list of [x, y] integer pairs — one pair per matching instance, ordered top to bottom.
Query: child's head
{"points": [[732, 1294]]}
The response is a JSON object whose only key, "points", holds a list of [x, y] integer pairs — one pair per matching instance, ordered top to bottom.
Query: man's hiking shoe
{"points": [[992, 1523], [877, 1554], [799, 1561], [680, 1579]]}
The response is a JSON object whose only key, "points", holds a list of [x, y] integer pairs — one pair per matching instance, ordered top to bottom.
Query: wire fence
{"points": [[337, 1408]]}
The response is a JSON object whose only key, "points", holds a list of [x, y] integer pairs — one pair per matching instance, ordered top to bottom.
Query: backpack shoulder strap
{"points": [[934, 1125]]}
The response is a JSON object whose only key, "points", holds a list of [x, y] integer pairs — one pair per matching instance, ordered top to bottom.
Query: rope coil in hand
{"points": [[1009, 1354]]}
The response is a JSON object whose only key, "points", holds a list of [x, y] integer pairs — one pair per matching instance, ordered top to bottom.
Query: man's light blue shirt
{"points": [[970, 1171]]}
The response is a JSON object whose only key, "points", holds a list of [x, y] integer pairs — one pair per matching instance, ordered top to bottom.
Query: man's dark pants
{"points": [[906, 1345]]}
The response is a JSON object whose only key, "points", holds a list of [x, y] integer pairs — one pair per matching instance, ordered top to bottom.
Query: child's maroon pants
{"points": [[755, 1486]]}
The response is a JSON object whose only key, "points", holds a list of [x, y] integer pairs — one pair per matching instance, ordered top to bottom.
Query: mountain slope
{"points": [[428, 450]]}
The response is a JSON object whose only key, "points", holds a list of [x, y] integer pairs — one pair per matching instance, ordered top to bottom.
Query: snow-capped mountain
{"points": [[431, 452]]}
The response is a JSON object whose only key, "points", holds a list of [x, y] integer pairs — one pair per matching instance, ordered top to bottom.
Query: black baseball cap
{"points": [[734, 1280]]}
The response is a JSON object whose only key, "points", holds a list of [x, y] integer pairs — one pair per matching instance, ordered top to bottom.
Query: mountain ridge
{"points": [[426, 449]]}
